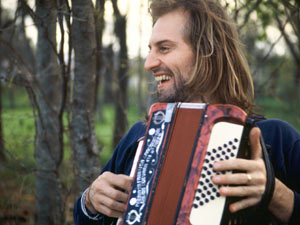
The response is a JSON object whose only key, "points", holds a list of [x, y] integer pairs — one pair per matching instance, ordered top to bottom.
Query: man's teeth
{"points": [[162, 78]]}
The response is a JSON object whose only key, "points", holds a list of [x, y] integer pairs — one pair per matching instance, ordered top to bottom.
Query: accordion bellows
{"points": [[172, 178]]}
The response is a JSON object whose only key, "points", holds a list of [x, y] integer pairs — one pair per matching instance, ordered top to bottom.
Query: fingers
{"points": [[256, 152], [237, 164], [239, 179], [119, 181], [251, 189], [242, 191], [108, 194], [243, 204], [109, 206], [109, 212]]}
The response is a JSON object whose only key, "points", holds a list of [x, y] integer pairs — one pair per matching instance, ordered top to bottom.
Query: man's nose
{"points": [[152, 61]]}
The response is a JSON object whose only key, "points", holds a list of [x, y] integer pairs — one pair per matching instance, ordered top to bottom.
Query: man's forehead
{"points": [[169, 27]]}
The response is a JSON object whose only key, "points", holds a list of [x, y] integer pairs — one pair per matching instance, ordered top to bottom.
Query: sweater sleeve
{"points": [[285, 157], [81, 218], [295, 218]]}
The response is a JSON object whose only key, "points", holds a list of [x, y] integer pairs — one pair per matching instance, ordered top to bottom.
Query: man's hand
{"points": [[253, 182], [106, 194]]}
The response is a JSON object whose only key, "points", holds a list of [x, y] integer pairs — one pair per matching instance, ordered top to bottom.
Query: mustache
{"points": [[162, 70]]}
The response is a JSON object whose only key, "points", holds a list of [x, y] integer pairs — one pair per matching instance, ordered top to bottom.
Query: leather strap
{"points": [[270, 184]]}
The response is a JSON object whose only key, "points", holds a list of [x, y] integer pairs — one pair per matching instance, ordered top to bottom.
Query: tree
{"points": [[288, 12], [254, 18], [99, 26], [108, 73], [141, 99], [47, 100], [121, 122], [83, 137], [2, 154]]}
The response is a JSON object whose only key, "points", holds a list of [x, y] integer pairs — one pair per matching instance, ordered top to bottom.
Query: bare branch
{"points": [[116, 8], [238, 9], [30, 12], [293, 13], [247, 16], [290, 44], [268, 53], [65, 69], [19, 78], [263, 85]]}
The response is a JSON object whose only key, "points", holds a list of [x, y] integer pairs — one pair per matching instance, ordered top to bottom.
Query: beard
{"points": [[178, 94]]}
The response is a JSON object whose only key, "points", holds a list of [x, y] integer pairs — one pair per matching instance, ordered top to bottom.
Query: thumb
{"points": [[256, 152]]}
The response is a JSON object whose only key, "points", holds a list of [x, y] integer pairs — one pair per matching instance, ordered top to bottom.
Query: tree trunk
{"points": [[99, 27], [108, 74], [297, 75], [140, 96], [151, 97], [141, 99], [47, 101], [121, 122], [84, 144], [2, 150], [2, 154]]}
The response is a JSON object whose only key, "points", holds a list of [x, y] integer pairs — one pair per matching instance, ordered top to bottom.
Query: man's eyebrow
{"points": [[159, 43]]}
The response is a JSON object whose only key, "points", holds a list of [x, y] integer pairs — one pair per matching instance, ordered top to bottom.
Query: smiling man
{"points": [[195, 56], [171, 57]]}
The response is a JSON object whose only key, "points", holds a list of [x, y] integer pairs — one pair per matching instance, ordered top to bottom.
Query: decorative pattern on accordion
{"points": [[146, 170], [208, 205]]}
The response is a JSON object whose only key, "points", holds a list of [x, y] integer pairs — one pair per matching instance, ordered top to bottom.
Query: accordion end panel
{"points": [[219, 139], [208, 205]]}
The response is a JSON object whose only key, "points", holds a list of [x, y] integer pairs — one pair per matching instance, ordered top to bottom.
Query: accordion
{"points": [[172, 177]]}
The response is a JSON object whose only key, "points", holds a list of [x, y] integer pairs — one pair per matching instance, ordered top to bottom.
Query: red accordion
{"points": [[172, 179]]}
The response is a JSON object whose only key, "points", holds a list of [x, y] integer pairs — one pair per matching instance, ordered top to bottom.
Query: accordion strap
{"points": [[270, 184]]}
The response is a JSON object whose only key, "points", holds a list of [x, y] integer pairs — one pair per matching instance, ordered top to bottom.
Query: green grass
{"points": [[105, 127], [18, 130]]}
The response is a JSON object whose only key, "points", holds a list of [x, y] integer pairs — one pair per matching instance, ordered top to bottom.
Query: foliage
{"points": [[278, 108]]}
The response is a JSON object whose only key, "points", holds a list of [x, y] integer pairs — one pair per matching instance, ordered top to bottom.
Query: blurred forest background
{"points": [[71, 87]]}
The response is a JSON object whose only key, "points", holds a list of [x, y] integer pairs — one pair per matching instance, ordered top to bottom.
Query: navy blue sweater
{"points": [[285, 157]]}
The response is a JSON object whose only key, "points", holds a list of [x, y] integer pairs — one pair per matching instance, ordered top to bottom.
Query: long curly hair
{"points": [[221, 72]]}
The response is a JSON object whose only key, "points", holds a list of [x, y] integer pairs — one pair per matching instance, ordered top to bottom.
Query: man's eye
{"points": [[163, 49]]}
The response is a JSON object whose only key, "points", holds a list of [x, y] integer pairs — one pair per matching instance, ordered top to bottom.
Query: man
{"points": [[195, 57]]}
